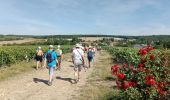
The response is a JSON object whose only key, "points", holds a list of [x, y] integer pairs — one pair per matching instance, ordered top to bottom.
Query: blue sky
{"points": [[116, 17]]}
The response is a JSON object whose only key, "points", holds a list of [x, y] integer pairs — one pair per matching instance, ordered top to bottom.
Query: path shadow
{"points": [[71, 65], [34, 67], [109, 78], [66, 79], [36, 80]]}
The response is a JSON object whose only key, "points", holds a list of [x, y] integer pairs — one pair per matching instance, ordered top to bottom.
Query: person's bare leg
{"points": [[40, 64], [89, 64], [37, 65], [51, 75], [75, 75], [78, 75]]}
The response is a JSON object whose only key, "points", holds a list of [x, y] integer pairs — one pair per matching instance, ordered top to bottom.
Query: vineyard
{"points": [[13, 54], [141, 74]]}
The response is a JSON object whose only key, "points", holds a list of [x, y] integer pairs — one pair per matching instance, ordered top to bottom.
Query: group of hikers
{"points": [[52, 59]]}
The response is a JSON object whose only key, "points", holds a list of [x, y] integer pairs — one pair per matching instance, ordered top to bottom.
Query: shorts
{"points": [[39, 58], [90, 59], [77, 65], [51, 70]]}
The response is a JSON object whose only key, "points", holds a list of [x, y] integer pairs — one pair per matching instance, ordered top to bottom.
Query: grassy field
{"points": [[17, 68], [100, 83]]}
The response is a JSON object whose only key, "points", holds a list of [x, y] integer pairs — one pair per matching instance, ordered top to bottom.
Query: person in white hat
{"points": [[39, 57], [51, 61], [78, 61]]}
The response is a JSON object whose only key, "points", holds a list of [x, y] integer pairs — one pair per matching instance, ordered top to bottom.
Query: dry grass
{"points": [[18, 68], [100, 83]]}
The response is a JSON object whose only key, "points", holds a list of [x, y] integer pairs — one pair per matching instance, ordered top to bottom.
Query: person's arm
{"points": [[82, 54], [72, 56], [45, 61]]}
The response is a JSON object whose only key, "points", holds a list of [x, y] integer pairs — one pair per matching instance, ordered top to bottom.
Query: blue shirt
{"points": [[54, 57]]}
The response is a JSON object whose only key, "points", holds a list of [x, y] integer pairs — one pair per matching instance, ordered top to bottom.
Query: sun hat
{"points": [[77, 45], [51, 46], [39, 47]]}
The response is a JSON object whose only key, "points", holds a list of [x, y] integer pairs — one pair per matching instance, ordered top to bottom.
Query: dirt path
{"points": [[33, 85]]}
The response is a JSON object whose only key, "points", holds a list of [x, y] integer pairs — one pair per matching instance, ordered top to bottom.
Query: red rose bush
{"points": [[142, 75]]}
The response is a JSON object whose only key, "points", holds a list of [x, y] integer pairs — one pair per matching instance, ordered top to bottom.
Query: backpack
{"points": [[90, 54], [49, 57]]}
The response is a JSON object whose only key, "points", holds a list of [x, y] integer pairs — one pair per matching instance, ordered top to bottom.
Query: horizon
{"points": [[85, 17]]}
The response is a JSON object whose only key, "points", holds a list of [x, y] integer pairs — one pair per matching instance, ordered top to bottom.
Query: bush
{"points": [[144, 74]]}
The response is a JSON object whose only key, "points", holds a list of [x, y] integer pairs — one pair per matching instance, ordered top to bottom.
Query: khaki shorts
{"points": [[78, 67]]}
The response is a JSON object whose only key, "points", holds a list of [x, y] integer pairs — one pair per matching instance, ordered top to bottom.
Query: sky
{"points": [[111, 17]]}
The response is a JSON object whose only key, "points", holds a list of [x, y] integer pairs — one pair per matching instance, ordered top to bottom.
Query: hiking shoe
{"points": [[78, 80], [49, 83]]}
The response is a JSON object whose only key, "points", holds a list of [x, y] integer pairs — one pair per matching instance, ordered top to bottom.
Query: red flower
{"points": [[149, 48], [145, 50], [142, 51], [152, 57], [141, 65], [114, 69], [120, 76], [149, 80], [152, 82], [132, 84], [161, 84], [125, 85], [161, 92]]}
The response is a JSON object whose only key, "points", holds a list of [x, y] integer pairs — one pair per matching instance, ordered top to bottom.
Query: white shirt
{"points": [[77, 54]]}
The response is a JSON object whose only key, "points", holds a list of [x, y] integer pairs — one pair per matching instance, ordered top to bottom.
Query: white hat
{"points": [[78, 45], [51, 46], [58, 46], [39, 47]]}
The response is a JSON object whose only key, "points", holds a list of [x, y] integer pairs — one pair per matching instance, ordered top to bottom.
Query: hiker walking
{"points": [[90, 55], [59, 56], [39, 57], [51, 61], [78, 61]]}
